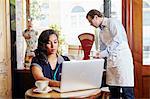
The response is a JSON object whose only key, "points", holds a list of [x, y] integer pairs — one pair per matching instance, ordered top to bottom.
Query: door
{"points": [[142, 71]]}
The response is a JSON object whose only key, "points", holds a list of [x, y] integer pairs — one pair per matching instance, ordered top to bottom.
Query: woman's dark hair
{"points": [[94, 12], [41, 51]]}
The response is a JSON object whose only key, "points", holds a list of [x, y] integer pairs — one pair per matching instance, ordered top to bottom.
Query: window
{"points": [[116, 9], [69, 16], [77, 17], [73, 18], [146, 32]]}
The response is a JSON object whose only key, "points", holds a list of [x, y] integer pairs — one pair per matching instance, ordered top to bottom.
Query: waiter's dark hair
{"points": [[94, 12]]}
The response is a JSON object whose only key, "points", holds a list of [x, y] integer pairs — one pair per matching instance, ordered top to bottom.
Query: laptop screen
{"points": [[81, 74]]}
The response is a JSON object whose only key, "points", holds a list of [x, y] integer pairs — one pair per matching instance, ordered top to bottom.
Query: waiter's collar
{"points": [[103, 23]]}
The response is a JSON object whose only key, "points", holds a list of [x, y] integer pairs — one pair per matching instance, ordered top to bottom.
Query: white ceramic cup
{"points": [[41, 84]]}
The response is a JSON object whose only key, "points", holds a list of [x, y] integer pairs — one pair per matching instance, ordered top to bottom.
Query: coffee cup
{"points": [[41, 84]]}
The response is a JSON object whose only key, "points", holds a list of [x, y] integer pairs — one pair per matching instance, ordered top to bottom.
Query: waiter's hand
{"points": [[97, 55]]}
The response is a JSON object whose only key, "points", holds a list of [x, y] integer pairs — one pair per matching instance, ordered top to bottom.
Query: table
{"points": [[91, 93]]}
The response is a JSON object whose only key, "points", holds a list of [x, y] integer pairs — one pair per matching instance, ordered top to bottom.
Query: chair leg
{"points": [[105, 95]]}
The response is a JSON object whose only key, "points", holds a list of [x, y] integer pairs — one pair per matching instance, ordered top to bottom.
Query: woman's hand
{"points": [[38, 75], [54, 83]]}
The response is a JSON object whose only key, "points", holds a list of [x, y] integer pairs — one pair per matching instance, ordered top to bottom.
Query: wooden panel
{"points": [[27, 8], [27, 11], [126, 19], [137, 25], [137, 44], [146, 71], [137, 75], [23, 80], [146, 87]]}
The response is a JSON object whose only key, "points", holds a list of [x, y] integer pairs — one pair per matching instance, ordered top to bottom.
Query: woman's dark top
{"points": [[47, 70]]}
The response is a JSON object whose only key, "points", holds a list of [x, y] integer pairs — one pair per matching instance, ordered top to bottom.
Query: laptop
{"points": [[81, 75]]}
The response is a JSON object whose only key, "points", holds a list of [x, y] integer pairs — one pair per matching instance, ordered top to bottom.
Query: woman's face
{"points": [[52, 45]]}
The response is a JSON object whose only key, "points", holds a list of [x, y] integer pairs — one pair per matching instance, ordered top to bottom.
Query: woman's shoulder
{"points": [[36, 62]]}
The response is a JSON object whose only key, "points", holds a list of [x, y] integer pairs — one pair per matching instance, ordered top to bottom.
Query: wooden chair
{"points": [[86, 40], [75, 52], [105, 93]]}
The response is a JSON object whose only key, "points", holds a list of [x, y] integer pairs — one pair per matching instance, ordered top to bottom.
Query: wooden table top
{"points": [[91, 93]]}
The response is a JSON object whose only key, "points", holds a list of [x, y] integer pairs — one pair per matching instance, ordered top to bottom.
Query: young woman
{"points": [[47, 63]]}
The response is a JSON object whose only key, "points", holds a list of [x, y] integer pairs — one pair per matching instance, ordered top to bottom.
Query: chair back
{"points": [[86, 40]]}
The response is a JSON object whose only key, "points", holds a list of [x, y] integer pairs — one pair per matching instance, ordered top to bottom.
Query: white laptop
{"points": [[81, 75]]}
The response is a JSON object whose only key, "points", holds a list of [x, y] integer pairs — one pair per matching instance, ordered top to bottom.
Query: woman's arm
{"points": [[38, 75]]}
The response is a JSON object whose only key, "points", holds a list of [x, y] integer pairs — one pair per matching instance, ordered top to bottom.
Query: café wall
{"points": [[5, 47]]}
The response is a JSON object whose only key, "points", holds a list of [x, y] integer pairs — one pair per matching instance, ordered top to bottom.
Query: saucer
{"points": [[48, 89]]}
